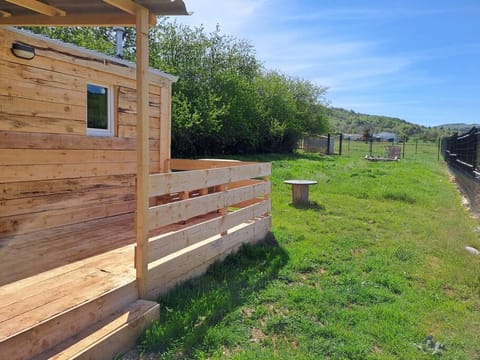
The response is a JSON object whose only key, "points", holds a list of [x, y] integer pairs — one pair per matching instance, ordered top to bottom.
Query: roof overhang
{"points": [[84, 12]]}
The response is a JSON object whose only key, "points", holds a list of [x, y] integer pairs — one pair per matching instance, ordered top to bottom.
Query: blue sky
{"points": [[416, 60]]}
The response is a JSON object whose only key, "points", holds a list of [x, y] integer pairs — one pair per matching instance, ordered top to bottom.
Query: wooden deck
{"points": [[29, 254], [46, 283]]}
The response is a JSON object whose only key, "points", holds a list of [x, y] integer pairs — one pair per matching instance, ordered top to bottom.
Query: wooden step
{"points": [[110, 337], [30, 341]]}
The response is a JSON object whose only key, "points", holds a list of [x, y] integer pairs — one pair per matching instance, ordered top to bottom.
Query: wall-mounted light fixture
{"points": [[23, 51]]}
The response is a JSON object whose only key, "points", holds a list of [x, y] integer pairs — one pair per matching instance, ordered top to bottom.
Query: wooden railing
{"points": [[201, 212]]}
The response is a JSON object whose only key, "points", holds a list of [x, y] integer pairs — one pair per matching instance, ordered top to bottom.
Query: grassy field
{"points": [[375, 268]]}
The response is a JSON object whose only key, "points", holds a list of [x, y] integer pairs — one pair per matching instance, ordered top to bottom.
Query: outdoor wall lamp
{"points": [[23, 51]]}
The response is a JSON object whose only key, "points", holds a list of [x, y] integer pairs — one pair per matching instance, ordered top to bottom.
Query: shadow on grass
{"points": [[312, 205], [190, 309]]}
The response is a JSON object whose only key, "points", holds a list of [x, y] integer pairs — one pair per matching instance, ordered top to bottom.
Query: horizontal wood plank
{"points": [[42, 77], [31, 90], [33, 107], [130, 119], [38, 124], [130, 132], [22, 140], [81, 157], [188, 164], [17, 173], [161, 184], [29, 189], [63, 201], [183, 210], [22, 224], [169, 243], [194, 261]]}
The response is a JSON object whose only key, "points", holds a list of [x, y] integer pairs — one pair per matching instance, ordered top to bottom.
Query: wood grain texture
{"points": [[161, 184], [183, 210], [166, 244], [195, 260]]}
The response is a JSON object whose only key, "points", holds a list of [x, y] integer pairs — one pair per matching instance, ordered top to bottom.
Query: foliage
{"points": [[93, 38], [224, 101], [351, 122], [369, 271], [431, 346]]}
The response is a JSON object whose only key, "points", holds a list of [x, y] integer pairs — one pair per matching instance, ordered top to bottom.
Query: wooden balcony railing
{"points": [[200, 212]]}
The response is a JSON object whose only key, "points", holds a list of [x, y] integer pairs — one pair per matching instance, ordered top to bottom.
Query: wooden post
{"points": [[165, 127], [438, 148], [143, 158], [266, 196], [224, 211]]}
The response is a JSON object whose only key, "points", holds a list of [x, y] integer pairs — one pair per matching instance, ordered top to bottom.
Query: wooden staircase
{"points": [[84, 310], [113, 335]]}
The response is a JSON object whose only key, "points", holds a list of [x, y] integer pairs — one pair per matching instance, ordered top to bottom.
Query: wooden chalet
{"points": [[96, 219]]}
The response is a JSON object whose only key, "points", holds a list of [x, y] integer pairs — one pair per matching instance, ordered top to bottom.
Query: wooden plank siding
{"points": [[52, 174]]}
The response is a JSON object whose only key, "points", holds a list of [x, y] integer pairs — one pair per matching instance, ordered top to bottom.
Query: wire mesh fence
{"points": [[382, 149], [461, 151]]}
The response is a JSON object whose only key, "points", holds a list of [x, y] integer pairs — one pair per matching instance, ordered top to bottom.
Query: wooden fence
{"points": [[203, 210]]}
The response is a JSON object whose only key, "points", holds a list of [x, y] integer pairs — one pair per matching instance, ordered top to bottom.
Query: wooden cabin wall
{"points": [[51, 173]]}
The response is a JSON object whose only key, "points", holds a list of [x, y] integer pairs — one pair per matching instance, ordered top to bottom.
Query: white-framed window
{"points": [[99, 110]]}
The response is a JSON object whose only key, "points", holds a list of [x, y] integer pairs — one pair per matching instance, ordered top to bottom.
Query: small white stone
{"points": [[472, 250]]}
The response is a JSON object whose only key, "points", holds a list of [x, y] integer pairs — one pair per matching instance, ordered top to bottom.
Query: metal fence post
{"points": [[340, 144]]}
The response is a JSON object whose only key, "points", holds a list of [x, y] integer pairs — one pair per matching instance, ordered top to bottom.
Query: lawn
{"points": [[374, 268]]}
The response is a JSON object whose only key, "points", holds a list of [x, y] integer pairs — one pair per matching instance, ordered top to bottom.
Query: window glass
{"points": [[98, 109]]}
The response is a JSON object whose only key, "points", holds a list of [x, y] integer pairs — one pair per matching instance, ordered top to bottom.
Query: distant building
{"points": [[386, 136], [353, 137]]}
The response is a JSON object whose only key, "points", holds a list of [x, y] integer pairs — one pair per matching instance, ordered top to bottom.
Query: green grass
{"points": [[374, 269]]}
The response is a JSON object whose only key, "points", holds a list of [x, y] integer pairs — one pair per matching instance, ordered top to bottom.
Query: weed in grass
{"points": [[399, 196], [404, 254], [430, 346]]}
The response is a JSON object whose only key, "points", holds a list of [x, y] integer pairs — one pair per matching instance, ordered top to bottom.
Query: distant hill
{"points": [[351, 122], [457, 127]]}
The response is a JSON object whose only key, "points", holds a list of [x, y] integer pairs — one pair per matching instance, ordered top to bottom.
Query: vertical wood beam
{"points": [[165, 127], [143, 161], [267, 196], [223, 211]]}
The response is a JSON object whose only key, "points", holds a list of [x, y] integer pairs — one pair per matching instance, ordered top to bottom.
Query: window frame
{"points": [[109, 131]]}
